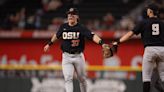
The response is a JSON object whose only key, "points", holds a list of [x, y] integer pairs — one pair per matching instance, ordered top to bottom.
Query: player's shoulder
{"points": [[154, 20], [145, 21], [149, 21], [142, 22], [64, 24], [80, 25]]}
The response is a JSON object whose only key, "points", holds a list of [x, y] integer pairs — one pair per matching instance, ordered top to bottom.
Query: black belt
{"points": [[70, 52]]}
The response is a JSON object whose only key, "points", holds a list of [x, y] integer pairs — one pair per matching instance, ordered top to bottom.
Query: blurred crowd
{"points": [[51, 15], [23, 18], [128, 22]]}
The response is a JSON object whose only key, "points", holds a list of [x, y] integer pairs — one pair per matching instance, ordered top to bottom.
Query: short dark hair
{"points": [[154, 8]]}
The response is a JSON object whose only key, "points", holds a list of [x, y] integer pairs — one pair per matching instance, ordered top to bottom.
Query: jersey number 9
{"points": [[155, 29]]}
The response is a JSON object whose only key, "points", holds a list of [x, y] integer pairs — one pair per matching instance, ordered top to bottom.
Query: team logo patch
{"points": [[70, 35]]}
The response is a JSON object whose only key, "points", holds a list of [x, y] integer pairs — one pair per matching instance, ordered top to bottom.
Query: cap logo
{"points": [[71, 9]]}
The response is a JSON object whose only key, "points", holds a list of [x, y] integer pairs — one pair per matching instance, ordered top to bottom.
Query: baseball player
{"points": [[73, 35], [152, 35]]}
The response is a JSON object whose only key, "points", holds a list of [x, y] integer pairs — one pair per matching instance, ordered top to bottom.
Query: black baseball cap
{"points": [[73, 11]]}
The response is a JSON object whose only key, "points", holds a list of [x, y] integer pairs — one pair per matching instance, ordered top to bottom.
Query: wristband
{"points": [[118, 41], [101, 42], [50, 43]]}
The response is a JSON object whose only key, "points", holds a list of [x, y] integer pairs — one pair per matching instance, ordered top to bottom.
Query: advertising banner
{"points": [[30, 51]]}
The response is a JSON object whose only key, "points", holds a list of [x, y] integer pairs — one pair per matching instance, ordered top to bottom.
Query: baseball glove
{"points": [[106, 51], [109, 52]]}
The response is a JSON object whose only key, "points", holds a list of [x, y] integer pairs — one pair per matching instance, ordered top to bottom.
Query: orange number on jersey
{"points": [[75, 43]]}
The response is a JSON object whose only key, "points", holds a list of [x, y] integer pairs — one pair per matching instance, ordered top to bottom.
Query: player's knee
{"points": [[68, 78], [82, 79], [146, 79]]}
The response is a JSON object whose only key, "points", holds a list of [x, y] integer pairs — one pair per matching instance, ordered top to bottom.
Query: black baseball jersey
{"points": [[152, 32], [73, 37]]}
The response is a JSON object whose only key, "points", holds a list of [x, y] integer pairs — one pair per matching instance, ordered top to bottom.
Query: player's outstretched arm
{"points": [[124, 38], [98, 40], [47, 46]]}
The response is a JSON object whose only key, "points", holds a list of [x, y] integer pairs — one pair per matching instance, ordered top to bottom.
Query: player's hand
{"points": [[115, 43], [105, 46], [114, 47], [46, 48]]}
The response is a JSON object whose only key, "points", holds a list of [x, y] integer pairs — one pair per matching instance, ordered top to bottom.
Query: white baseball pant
{"points": [[74, 63]]}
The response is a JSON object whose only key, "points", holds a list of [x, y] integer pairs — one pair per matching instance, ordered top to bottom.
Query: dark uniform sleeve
{"points": [[138, 28], [59, 32], [87, 33]]}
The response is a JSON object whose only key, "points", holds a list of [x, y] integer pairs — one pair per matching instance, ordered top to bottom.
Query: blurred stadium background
{"points": [[26, 25]]}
